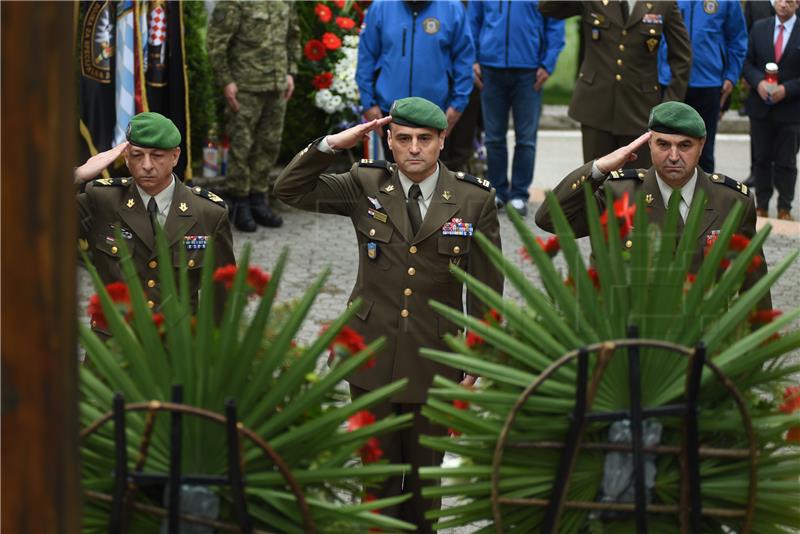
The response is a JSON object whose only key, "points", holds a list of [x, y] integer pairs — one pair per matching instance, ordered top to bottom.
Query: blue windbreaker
{"points": [[513, 34], [718, 35], [429, 55]]}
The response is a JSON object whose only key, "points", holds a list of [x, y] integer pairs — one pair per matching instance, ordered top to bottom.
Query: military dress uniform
{"points": [[255, 45], [618, 79], [721, 192], [195, 216], [398, 273]]}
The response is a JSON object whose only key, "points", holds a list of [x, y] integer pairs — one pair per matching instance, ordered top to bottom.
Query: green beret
{"points": [[418, 113], [677, 118], [153, 130]]}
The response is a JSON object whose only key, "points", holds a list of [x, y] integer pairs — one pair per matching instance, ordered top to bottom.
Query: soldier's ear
{"points": [[389, 137], [176, 153]]}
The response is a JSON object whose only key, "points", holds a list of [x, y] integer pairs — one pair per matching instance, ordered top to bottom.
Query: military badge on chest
{"points": [[457, 226], [195, 242]]}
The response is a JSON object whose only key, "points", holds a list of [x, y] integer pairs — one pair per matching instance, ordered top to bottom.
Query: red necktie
{"points": [[779, 44]]}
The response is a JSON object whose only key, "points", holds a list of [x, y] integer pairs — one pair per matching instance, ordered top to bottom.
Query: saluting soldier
{"points": [[617, 83], [675, 138], [190, 216], [412, 219]]}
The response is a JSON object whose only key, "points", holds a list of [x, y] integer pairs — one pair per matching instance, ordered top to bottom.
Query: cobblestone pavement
{"points": [[316, 241]]}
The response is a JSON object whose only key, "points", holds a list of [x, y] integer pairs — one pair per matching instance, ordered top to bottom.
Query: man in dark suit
{"points": [[618, 79], [774, 109], [676, 137], [189, 216], [412, 220]]}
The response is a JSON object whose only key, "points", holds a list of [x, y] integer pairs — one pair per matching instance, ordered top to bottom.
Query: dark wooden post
{"points": [[40, 461]]}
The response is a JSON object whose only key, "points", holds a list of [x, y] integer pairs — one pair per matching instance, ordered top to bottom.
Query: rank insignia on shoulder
{"points": [[376, 164], [627, 174], [112, 181], [480, 182], [730, 182], [389, 188], [208, 195], [457, 226], [195, 242]]}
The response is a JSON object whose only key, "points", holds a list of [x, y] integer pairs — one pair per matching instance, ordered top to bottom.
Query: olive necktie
{"points": [[625, 10], [412, 204], [152, 209]]}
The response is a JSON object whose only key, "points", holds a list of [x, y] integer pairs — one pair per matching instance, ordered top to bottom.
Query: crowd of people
{"points": [[422, 67]]}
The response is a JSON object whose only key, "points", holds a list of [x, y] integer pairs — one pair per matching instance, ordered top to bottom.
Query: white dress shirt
{"points": [[427, 186]]}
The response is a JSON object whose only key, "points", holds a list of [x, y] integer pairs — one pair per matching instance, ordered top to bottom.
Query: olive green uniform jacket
{"points": [[617, 83], [721, 194], [195, 215], [398, 273]]}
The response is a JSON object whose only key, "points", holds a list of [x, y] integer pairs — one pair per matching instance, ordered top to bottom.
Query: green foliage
{"points": [[205, 97], [646, 286], [250, 356]]}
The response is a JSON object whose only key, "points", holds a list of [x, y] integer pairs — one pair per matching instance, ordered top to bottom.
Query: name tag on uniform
{"points": [[653, 18], [377, 215], [457, 226], [195, 242]]}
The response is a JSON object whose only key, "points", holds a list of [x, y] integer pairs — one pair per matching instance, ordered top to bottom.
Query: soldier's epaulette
{"points": [[376, 163], [627, 174], [108, 182], [480, 182], [730, 182], [208, 195]]}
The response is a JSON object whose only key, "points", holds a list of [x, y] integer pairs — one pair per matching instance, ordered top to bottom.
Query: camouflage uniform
{"points": [[255, 44]]}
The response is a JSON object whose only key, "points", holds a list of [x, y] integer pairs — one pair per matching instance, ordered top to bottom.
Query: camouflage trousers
{"points": [[255, 140]]}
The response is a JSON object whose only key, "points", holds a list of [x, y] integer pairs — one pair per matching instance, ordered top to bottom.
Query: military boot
{"points": [[262, 213], [241, 216]]}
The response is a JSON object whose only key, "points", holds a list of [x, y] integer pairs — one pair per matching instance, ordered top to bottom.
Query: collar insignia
{"points": [[389, 188], [446, 195], [648, 198], [130, 203], [183, 207]]}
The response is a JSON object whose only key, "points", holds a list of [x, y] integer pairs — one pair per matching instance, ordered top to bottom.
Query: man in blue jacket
{"points": [[718, 36], [415, 48], [517, 49]]}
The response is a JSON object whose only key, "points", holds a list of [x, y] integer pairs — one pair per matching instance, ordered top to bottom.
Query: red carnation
{"points": [[339, 3], [323, 12], [345, 23], [331, 41], [314, 50], [322, 81], [624, 212], [738, 242], [551, 246], [594, 277], [256, 278], [119, 294], [763, 316], [494, 317], [791, 403], [359, 420], [371, 451]]}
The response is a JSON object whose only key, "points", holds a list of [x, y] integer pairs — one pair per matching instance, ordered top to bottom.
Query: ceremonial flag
{"points": [[97, 113]]}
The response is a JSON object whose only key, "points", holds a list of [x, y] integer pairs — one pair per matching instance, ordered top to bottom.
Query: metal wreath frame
{"points": [[606, 350], [153, 407]]}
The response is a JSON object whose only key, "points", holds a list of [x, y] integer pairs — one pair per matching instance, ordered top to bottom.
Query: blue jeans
{"points": [[505, 89]]}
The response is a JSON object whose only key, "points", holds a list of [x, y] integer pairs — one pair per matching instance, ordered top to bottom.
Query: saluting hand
{"points": [[351, 137], [622, 155], [97, 163]]}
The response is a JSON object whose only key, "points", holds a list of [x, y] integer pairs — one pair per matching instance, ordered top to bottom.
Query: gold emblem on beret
{"points": [[389, 188], [446, 195], [130, 203], [183, 207]]}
